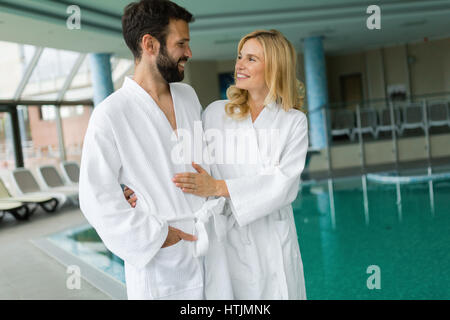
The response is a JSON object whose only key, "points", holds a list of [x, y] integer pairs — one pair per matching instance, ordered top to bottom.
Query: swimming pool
{"points": [[394, 227], [354, 235]]}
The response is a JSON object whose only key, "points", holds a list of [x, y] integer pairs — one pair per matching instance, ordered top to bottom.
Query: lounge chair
{"points": [[438, 114], [413, 117], [369, 122], [343, 123], [385, 123], [70, 171], [53, 182], [27, 185], [47, 203], [18, 210]]}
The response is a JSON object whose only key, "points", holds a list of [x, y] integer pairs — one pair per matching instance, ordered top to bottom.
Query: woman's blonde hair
{"points": [[280, 75]]}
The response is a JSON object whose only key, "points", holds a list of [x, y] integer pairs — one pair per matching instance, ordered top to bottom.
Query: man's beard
{"points": [[168, 67]]}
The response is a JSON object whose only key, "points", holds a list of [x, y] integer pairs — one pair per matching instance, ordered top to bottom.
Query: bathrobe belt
{"points": [[211, 208]]}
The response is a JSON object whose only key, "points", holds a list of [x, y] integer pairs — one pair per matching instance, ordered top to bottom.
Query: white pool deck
{"points": [[28, 272]]}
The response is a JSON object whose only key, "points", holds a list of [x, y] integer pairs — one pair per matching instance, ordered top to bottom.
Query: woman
{"points": [[262, 246]]}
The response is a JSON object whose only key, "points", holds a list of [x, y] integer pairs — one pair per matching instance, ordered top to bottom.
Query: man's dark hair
{"points": [[150, 17]]}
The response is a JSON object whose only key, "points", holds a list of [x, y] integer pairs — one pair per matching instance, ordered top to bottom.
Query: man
{"points": [[129, 140]]}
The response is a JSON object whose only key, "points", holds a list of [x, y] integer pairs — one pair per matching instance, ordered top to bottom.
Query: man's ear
{"points": [[149, 44]]}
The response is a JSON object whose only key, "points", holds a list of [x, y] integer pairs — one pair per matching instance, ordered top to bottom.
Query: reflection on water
{"points": [[345, 226], [88, 235], [90, 239], [85, 243]]}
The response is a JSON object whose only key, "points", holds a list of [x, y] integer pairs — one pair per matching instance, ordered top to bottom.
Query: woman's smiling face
{"points": [[250, 64]]}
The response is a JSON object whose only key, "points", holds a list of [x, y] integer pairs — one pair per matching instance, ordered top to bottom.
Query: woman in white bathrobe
{"points": [[258, 141]]}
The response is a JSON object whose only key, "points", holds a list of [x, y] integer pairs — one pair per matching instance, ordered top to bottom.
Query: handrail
{"points": [[385, 100], [56, 103], [363, 103]]}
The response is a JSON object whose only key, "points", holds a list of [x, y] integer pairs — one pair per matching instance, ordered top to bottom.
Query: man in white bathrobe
{"points": [[130, 140]]}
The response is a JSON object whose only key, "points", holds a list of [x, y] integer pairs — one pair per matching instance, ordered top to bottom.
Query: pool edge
{"points": [[103, 282]]}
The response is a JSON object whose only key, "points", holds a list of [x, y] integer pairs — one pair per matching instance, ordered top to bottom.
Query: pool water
{"points": [[397, 228], [358, 240], [85, 243]]}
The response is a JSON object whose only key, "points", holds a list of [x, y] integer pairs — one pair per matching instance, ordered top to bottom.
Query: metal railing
{"points": [[393, 107]]}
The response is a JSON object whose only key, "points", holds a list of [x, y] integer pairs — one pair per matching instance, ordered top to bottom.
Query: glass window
{"points": [[11, 64], [50, 73], [81, 86], [79, 110], [71, 111], [47, 113], [74, 129], [42, 145], [7, 161]]}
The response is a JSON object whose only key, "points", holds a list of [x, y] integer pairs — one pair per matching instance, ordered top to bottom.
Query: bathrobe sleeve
{"points": [[253, 197], [133, 234]]}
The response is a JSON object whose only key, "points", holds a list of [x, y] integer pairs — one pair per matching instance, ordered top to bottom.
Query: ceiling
{"points": [[220, 24]]}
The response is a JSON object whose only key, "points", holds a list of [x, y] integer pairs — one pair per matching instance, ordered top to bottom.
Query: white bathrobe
{"points": [[130, 141], [262, 247]]}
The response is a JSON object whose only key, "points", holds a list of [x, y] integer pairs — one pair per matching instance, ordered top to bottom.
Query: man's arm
{"points": [[133, 234]]}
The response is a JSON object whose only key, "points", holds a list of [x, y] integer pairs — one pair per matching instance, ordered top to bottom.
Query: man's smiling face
{"points": [[176, 51]]}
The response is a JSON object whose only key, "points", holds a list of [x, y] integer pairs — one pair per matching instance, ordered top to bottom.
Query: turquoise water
{"points": [[403, 230], [403, 236], [85, 243]]}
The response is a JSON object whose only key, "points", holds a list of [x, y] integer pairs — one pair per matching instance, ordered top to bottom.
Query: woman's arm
{"points": [[256, 196], [253, 197], [135, 235]]}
